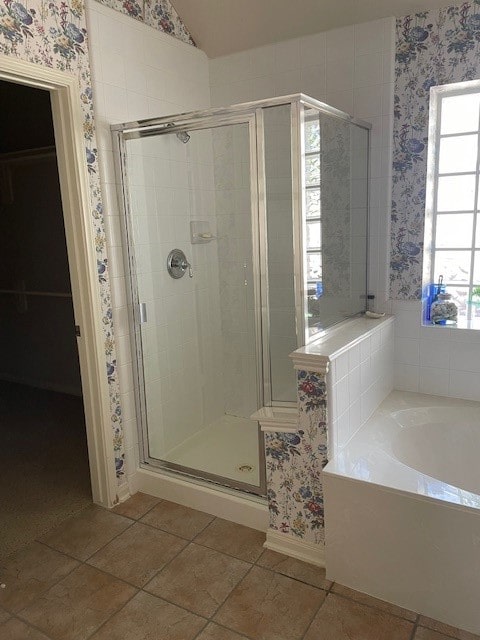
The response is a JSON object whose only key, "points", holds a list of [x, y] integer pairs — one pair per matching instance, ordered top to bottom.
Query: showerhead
{"points": [[183, 136]]}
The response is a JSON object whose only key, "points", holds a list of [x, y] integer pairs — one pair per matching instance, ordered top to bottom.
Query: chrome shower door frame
{"points": [[191, 122]]}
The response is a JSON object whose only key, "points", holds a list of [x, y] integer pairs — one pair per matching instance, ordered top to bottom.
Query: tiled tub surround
{"points": [[442, 361], [341, 379], [415, 463], [153, 569]]}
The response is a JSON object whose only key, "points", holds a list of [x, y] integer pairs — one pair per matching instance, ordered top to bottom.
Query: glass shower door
{"points": [[197, 327]]}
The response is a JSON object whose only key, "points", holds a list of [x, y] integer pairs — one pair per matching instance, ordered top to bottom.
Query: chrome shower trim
{"points": [[178, 120]]}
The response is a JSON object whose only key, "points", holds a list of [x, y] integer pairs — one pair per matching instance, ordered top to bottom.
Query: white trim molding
{"points": [[79, 232], [277, 419], [250, 511], [295, 548]]}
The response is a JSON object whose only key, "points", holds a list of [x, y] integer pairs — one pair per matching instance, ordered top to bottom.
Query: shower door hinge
{"points": [[142, 313], [77, 331]]}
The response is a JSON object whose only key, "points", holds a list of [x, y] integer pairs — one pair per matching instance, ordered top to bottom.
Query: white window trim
{"points": [[437, 94]]}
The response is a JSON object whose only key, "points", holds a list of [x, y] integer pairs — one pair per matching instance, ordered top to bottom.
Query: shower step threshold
{"points": [[277, 419]]}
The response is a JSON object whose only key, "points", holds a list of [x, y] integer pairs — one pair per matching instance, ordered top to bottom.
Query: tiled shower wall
{"points": [[350, 68], [138, 72], [231, 150]]}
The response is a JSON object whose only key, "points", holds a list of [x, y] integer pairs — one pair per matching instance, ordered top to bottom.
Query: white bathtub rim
{"points": [[368, 453]]}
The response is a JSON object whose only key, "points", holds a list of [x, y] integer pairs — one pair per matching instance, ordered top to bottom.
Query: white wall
{"points": [[350, 68], [138, 72]]}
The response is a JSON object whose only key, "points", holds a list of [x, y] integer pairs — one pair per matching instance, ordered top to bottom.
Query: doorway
{"points": [[44, 457]]}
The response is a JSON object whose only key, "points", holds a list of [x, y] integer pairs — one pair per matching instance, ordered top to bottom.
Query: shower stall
{"points": [[245, 238]]}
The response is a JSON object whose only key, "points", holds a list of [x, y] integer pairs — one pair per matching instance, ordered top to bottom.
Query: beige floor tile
{"points": [[136, 506], [176, 519], [83, 535], [236, 540], [138, 553], [294, 568], [30, 572], [199, 579], [374, 602], [269, 606], [75, 607], [4, 615], [146, 617], [342, 619], [15, 629], [446, 629], [215, 632], [428, 634]]}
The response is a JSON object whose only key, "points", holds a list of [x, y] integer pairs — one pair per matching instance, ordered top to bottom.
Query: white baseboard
{"points": [[123, 492], [249, 511], [295, 548]]}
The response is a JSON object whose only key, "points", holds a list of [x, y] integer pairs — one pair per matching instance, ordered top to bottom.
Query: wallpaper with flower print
{"points": [[158, 14], [53, 34], [432, 48], [294, 463]]}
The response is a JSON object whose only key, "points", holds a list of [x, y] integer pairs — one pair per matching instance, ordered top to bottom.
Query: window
{"points": [[452, 231]]}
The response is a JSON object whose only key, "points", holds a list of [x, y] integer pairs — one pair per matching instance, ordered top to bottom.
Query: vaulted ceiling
{"points": [[220, 27]]}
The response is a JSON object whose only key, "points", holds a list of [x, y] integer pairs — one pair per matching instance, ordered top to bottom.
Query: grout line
{"points": [[372, 606], [414, 630]]}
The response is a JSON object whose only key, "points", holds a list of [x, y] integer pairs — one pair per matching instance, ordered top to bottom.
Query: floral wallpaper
{"points": [[158, 14], [53, 34], [432, 48], [294, 463]]}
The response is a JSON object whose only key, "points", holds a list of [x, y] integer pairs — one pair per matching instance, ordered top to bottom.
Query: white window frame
{"points": [[437, 95]]}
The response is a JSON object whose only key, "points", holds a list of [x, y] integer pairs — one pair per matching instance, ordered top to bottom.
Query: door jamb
{"points": [[79, 232]]}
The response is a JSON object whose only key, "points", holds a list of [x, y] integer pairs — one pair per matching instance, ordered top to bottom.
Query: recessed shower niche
{"points": [[267, 201]]}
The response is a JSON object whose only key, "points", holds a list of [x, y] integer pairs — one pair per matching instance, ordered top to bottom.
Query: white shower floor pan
{"points": [[229, 447]]}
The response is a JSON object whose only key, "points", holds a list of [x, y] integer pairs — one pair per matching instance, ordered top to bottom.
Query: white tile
{"points": [[111, 31], [389, 35], [369, 37], [340, 43], [313, 49], [287, 55], [263, 61], [113, 68], [368, 69], [339, 74], [313, 81], [287, 82], [342, 100], [368, 101], [116, 109], [365, 349], [407, 351], [434, 353], [354, 356], [465, 356], [342, 366], [406, 377], [125, 378], [434, 381], [354, 384], [464, 384], [342, 396], [343, 429]]}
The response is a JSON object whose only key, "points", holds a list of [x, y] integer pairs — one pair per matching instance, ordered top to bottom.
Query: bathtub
{"points": [[402, 508]]}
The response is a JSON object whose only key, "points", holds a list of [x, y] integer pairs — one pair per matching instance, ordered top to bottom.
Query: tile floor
{"points": [[154, 570]]}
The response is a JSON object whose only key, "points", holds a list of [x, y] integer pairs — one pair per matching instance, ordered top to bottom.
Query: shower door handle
{"points": [[142, 313]]}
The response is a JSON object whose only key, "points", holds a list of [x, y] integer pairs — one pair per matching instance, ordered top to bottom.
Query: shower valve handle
{"points": [[177, 264]]}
